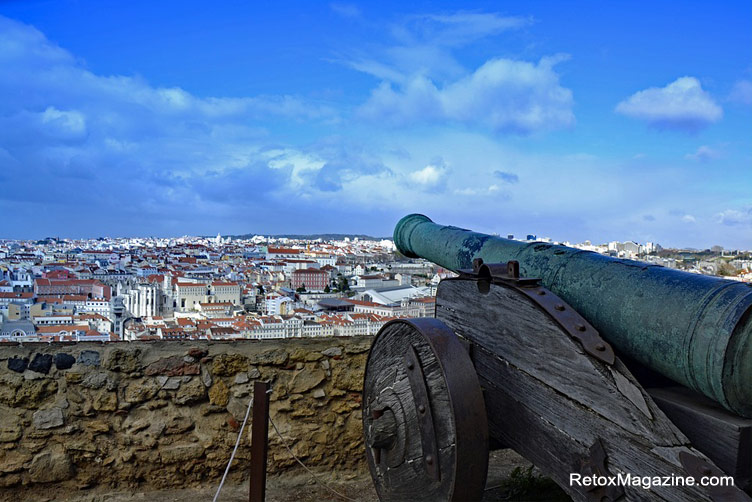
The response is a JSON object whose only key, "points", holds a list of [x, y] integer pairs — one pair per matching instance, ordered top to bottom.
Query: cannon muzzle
{"points": [[694, 329]]}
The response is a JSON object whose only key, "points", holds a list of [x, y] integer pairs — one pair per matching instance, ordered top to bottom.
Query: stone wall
{"points": [[166, 414]]}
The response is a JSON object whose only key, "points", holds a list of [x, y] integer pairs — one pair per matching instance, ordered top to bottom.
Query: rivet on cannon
{"points": [[541, 292], [559, 307], [580, 327], [600, 347], [410, 365], [421, 408], [429, 459], [706, 471]]}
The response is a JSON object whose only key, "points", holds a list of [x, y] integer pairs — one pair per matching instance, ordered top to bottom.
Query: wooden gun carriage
{"points": [[507, 361]]}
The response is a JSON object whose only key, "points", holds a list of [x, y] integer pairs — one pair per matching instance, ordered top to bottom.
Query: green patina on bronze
{"points": [[694, 329]]}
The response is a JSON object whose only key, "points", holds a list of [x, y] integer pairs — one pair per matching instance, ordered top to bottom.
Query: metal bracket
{"points": [[573, 323], [423, 409], [595, 465], [699, 468]]}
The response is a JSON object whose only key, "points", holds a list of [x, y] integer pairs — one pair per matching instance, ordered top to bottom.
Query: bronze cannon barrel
{"points": [[694, 329]]}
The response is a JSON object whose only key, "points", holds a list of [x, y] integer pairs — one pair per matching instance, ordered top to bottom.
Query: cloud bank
{"points": [[681, 105]]}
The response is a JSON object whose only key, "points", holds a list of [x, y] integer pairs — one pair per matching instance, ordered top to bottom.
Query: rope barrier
{"points": [[237, 443], [284, 443]]}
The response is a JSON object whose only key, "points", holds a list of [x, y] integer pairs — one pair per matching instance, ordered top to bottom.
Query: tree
{"points": [[342, 283], [301, 289], [327, 289]]}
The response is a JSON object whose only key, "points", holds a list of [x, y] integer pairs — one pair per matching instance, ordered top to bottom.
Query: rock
{"points": [[359, 348], [332, 351], [197, 353], [303, 355], [273, 357], [88, 358], [124, 360], [64, 361], [41, 363], [18, 364], [229, 364], [325, 364], [172, 366], [254, 373], [33, 375], [73, 377], [206, 377], [241, 378], [94, 380], [305, 380], [169, 383], [141, 390], [242, 390], [191, 392], [319, 393], [30, 394], [219, 394], [105, 401], [238, 407], [48, 419], [178, 424], [98, 426], [9, 432], [181, 453], [14, 460], [50, 466]]}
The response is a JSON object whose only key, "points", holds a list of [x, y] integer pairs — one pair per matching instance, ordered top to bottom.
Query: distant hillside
{"points": [[326, 237]]}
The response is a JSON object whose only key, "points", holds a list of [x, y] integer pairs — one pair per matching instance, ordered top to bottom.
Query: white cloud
{"points": [[742, 92], [503, 95], [682, 104], [703, 154], [429, 176], [734, 217], [688, 218]]}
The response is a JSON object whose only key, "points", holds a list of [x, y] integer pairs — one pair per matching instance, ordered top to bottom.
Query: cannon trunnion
{"points": [[552, 390]]}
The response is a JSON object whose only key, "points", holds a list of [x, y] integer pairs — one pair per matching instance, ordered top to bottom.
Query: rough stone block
{"points": [[332, 351], [273, 357], [88, 358], [124, 360], [64, 361], [41, 363], [18, 364], [229, 364], [172, 366], [306, 379], [141, 390], [191, 392], [219, 394], [48, 419], [181, 453], [50, 466]]}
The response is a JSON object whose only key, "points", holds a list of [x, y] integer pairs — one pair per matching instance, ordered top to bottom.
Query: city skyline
{"points": [[585, 122]]}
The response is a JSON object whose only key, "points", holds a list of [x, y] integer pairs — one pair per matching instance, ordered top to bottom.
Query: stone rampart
{"points": [[166, 414]]}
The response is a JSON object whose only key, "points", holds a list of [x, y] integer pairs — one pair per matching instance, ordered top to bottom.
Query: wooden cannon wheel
{"points": [[424, 419]]}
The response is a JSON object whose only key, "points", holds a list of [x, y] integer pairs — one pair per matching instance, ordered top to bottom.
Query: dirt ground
{"points": [[510, 477]]}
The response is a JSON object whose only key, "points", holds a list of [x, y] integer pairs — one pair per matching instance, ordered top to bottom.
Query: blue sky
{"points": [[573, 120]]}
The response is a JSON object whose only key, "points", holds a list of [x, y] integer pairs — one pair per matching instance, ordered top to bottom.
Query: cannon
{"points": [[607, 374]]}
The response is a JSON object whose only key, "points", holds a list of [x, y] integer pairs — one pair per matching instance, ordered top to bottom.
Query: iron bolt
{"points": [[541, 292], [559, 307], [581, 327], [600, 347], [410, 365], [422, 408], [429, 459], [706, 471]]}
